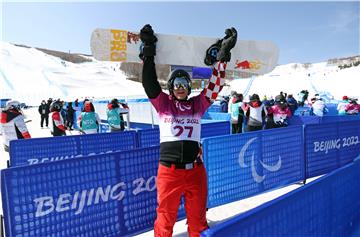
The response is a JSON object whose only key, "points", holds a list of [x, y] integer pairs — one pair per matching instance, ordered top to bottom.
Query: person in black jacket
{"points": [[44, 111], [69, 116]]}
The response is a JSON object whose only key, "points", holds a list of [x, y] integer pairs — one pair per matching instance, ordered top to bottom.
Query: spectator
{"points": [[303, 96], [49, 101], [292, 103], [224, 104], [342, 104], [318, 108], [352, 108], [44, 111], [124, 111], [237, 113], [280, 113], [255, 114], [69, 116], [114, 116], [89, 121], [12, 124], [57, 127]]}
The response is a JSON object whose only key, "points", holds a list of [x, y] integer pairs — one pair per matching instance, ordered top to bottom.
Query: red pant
{"points": [[171, 185]]}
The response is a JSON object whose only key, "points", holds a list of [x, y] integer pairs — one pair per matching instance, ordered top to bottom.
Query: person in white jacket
{"points": [[319, 108], [13, 124]]}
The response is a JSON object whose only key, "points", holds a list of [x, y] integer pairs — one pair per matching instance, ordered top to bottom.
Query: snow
{"points": [[29, 75]]}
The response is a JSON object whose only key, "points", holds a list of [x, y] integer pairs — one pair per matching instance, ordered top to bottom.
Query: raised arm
{"points": [[147, 54], [217, 79]]}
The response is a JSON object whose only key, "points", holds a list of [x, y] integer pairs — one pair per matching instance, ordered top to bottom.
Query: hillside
{"points": [[30, 75]]}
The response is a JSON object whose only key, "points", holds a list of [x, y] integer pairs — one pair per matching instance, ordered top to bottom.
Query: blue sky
{"points": [[304, 31]]}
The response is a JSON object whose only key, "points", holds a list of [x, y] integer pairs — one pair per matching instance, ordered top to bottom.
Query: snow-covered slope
{"points": [[30, 75], [318, 78]]}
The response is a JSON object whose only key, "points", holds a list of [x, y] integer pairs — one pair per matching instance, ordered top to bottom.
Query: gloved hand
{"points": [[148, 39], [228, 42]]}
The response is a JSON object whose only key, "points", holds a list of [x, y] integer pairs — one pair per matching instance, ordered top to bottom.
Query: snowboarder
{"points": [[181, 170]]}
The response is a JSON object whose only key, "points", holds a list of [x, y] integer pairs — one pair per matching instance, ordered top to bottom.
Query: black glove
{"points": [[148, 39], [228, 42], [212, 52]]}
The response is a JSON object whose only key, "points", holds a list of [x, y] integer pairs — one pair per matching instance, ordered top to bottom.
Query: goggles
{"points": [[181, 82]]}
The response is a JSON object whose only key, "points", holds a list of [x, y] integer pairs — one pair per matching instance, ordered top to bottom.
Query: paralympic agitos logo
{"points": [[258, 178]]}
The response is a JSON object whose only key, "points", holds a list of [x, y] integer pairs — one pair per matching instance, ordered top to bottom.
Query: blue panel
{"points": [[201, 72], [214, 108], [219, 116], [304, 120], [215, 129], [349, 135], [148, 137], [107, 142], [330, 145], [37, 150], [291, 162], [243, 165], [328, 206]]}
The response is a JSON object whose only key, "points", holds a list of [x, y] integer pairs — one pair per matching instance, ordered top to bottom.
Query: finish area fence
{"points": [[114, 193], [329, 206]]}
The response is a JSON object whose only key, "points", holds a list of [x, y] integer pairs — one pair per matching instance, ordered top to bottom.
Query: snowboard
{"points": [[255, 57]]}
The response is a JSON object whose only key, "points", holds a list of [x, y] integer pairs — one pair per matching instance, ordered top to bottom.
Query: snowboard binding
{"points": [[211, 53]]}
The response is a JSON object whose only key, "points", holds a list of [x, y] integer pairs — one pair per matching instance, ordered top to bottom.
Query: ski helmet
{"points": [[179, 75], [280, 99], [115, 103], [12, 104], [55, 106]]}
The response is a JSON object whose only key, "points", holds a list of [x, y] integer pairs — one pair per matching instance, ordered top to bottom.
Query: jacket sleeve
{"points": [[149, 78], [216, 81], [98, 120], [58, 121], [20, 124]]}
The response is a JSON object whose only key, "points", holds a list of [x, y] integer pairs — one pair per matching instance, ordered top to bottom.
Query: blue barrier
{"points": [[214, 108], [217, 116], [305, 120], [148, 137], [331, 145], [37, 150], [243, 165], [238, 166], [102, 195], [328, 206]]}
